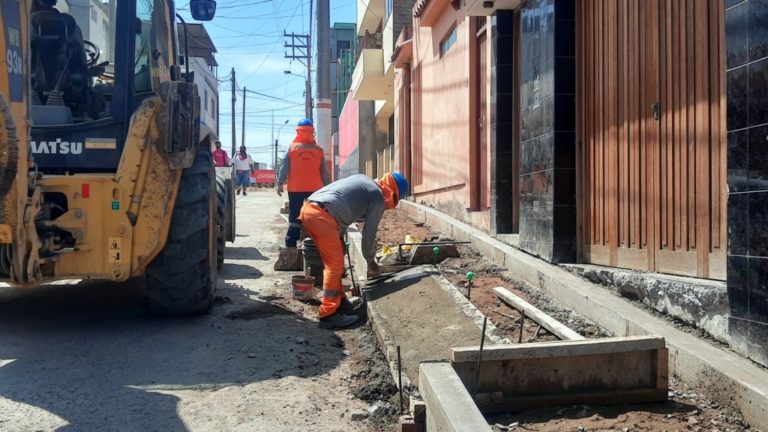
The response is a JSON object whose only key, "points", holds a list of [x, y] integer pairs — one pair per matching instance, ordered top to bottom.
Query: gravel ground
{"points": [[89, 356]]}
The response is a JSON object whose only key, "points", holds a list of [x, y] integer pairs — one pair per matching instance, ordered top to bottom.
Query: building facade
{"points": [[379, 22], [343, 45], [203, 64], [621, 133]]}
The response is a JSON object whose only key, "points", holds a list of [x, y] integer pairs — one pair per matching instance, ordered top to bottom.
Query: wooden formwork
{"points": [[600, 371]]}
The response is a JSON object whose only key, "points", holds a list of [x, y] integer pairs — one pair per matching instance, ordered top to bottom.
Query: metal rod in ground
{"points": [[355, 288], [522, 326], [480, 357], [400, 378]]}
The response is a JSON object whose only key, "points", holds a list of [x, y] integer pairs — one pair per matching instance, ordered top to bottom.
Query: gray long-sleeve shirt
{"points": [[351, 199]]}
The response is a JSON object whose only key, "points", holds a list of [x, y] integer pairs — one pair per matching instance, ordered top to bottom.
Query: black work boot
{"points": [[349, 306], [338, 321]]}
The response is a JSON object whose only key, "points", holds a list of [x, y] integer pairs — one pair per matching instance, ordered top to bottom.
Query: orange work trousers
{"points": [[324, 230]]}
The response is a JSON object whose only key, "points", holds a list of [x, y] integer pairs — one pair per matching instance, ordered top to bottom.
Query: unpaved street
{"points": [[90, 357]]}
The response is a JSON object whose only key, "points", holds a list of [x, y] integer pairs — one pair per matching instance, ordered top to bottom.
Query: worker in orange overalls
{"points": [[304, 171], [328, 212]]}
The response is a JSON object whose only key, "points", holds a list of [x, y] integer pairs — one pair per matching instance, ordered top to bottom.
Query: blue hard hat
{"points": [[305, 122], [402, 185]]}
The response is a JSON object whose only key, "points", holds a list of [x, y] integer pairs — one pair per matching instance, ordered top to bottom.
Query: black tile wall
{"points": [[736, 26], [758, 29], [758, 92], [503, 96], [747, 118], [547, 124], [738, 160], [757, 162]]}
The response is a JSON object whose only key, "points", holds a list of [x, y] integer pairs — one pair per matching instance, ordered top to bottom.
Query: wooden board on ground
{"points": [[554, 326], [603, 371]]}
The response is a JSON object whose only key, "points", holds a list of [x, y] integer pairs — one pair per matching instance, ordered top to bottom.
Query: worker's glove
{"points": [[280, 190], [373, 268]]}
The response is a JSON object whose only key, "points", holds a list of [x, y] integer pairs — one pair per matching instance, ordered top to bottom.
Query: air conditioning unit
{"points": [[488, 7]]}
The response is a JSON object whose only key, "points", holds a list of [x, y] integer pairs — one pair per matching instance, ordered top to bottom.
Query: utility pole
{"points": [[301, 50], [234, 99], [323, 124], [242, 132]]}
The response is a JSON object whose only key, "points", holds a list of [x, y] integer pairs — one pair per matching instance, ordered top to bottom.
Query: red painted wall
{"points": [[348, 129]]}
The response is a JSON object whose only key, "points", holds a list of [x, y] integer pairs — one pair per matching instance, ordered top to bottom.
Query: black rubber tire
{"points": [[221, 219], [181, 280]]}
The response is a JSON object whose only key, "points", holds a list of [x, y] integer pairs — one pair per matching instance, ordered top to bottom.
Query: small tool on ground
{"points": [[386, 272]]}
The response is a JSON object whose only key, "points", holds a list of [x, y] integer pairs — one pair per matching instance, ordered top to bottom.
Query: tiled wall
{"points": [[747, 83], [547, 124], [502, 126]]}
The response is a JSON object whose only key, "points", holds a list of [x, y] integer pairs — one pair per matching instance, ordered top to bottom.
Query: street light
{"points": [[307, 93], [276, 141]]}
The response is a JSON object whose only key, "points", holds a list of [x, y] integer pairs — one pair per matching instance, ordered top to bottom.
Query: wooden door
{"points": [[651, 135]]}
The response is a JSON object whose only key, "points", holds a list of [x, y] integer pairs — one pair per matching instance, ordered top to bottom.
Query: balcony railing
{"points": [[368, 41]]}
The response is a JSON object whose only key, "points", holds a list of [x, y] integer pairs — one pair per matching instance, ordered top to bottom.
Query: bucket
{"points": [[312, 260], [303, 287]]}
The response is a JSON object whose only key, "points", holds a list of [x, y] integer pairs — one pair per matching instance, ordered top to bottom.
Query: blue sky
{"points": [[248, 37]]}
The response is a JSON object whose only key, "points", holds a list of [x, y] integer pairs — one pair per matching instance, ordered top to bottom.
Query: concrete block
{"points": [[450, 407], [418, 410], [408, 424]]}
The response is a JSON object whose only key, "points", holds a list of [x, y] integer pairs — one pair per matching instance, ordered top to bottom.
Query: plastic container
{"points": [[312, 260], [303, 287]]}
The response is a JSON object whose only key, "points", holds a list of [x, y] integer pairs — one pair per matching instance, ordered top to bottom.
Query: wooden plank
{"points": [[702, 142], [611, 161], [554, 326], [575, 348]]}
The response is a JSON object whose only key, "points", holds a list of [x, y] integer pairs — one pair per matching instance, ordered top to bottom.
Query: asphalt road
{"points": [[89, 356]]}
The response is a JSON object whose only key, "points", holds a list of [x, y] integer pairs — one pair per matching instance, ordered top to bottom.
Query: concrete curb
{"points": [[721, 375]]}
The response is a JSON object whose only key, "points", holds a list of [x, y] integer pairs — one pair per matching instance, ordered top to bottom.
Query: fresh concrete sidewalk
{"points": [[422, 313], [719, 374]]}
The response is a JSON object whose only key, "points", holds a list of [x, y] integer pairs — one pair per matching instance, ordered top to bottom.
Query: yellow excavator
{"points": [[104, 173]]}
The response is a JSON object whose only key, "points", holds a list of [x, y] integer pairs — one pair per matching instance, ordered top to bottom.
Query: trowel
{"points": [[387, 272]]}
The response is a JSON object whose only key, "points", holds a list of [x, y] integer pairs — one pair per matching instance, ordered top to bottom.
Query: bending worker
{"points": [[304, 170], [328, 212]]}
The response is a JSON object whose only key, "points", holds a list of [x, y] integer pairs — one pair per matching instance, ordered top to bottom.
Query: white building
{"points": [[92, 16], [203, 64]]}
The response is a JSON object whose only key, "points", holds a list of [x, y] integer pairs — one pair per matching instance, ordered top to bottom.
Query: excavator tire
{"points": [[221, 211], [181, 280]]}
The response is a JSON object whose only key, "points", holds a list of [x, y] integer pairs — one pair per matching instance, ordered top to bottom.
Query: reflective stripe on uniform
{"points": [[329, 293]]}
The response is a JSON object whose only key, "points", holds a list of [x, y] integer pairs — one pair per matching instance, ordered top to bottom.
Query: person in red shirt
{"points": [[220, 157]]}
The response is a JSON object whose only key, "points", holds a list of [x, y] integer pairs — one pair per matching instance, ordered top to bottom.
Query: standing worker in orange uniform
{"points": [[304, 171], [328, 212]]}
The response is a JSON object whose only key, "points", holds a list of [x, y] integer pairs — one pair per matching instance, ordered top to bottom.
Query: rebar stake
{"points": [[470, 279], [522, 326], [480, 358], [400, 378]]}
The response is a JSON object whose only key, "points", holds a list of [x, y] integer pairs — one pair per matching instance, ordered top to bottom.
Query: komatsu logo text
{"points": [[57, 147]]}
